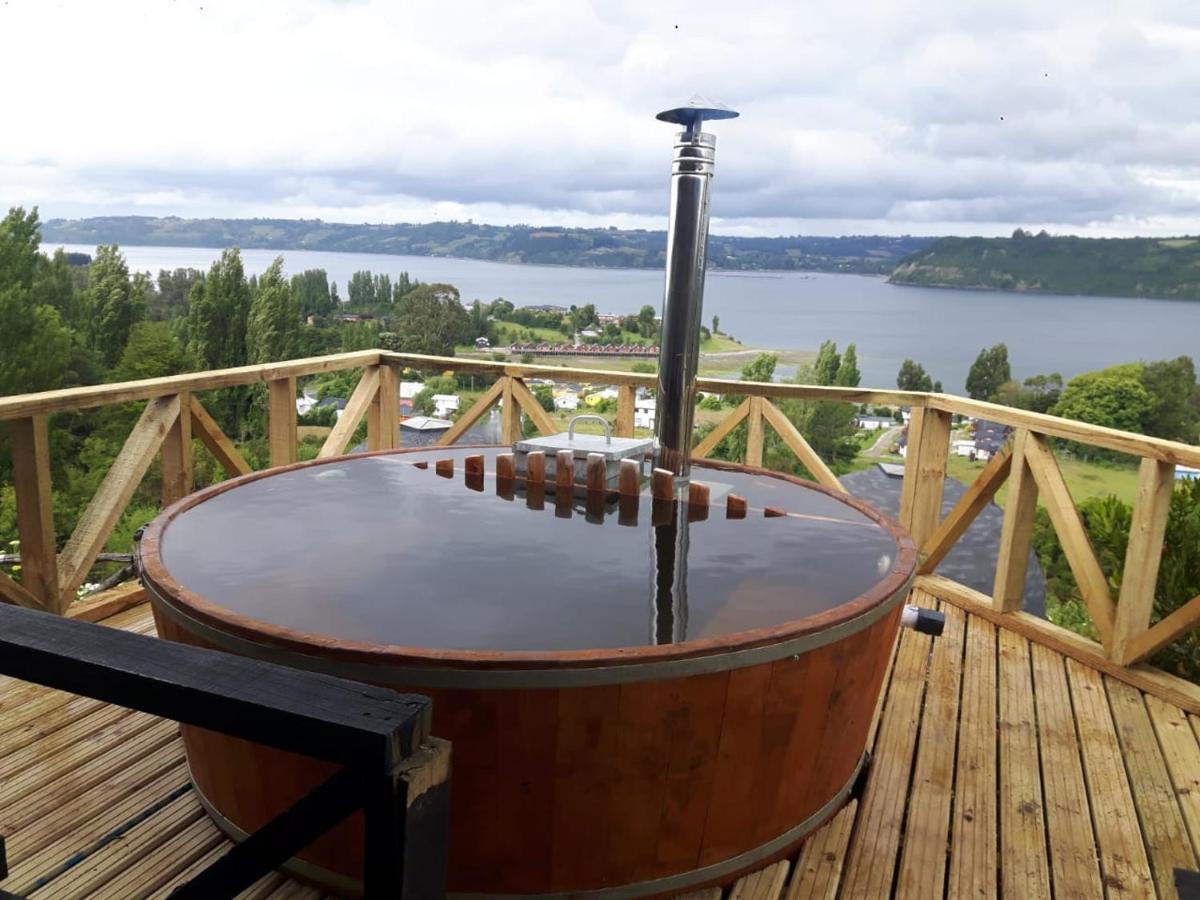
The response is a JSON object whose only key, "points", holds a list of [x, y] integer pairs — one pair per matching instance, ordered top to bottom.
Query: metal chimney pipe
{"points": [[683, 295]]}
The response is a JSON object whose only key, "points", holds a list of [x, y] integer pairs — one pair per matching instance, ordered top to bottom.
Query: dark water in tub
{"points": [[375, 549]]}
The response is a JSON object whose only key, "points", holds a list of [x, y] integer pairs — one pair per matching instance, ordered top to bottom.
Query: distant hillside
{"points": [[602, 247], [1124, 267]]}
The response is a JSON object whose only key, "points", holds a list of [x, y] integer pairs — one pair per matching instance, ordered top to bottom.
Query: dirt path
{"points": [[883, 442]]}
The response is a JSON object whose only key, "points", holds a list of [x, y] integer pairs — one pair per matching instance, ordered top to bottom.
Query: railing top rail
{"points": [[68, 399], [1069, 429]]}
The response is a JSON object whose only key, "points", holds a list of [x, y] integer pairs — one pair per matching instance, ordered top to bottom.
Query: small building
{"points": [[482, 343], [410, 389], [568, 401], [305, 402], [445, 404], [643, 412], [425, 423], [874, 423], [990, 437], [965, 448]]}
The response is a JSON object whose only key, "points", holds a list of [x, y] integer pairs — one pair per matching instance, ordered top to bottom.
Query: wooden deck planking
{"points": [[1181, 750], [999, 768], [1158, 808], [926, 833], [973, 838], [875, 843], [1072, 844], [1023, 860], [1123, 860]]}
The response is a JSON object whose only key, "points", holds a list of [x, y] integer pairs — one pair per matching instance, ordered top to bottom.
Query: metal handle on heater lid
{"points": [[603, 421]]}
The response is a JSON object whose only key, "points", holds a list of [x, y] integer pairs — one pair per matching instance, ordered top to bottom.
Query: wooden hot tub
{"points": [[621, 726]]}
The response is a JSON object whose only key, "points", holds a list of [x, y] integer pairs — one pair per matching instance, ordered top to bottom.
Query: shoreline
{"points": [[711, 270]]}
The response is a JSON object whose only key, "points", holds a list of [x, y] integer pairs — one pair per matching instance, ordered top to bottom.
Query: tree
{"points": [[54, 285], [311, 290], [360, 290], [383, 290], [170, 299], [116, 303], [218, 309], [500, 309], [430, 319], [274, 324], [647, 327], [716, 329], [35, 345], [152, 352], [761, 368], [825, 368], [988, 372], [848, 374], [913, 377], [1041, 391], [545, 396], [1114, 397], [1175, 406]]}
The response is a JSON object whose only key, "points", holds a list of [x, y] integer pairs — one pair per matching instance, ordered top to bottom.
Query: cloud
{"points": [[930, 117]]}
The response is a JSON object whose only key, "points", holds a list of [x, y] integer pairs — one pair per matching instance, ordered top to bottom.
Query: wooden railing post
{"points": [[626, 403], [510, 414], [383, 419], [281, 421], [754, 433], [177, 455], [924, 472], [1156, 481], [35, 510], [1016, 536]]}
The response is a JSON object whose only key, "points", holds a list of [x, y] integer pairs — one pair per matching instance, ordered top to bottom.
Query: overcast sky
{"points": [[930, 117]]}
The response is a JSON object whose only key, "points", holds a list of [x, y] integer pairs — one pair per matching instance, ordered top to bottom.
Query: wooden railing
{"points": [[173, 416]]}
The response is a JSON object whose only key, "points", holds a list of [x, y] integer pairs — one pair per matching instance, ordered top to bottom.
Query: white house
{"points": [[410, 389], [567, 401], [305, 402], [444, 404], [643, 412], [874, 423], [972, 450]]}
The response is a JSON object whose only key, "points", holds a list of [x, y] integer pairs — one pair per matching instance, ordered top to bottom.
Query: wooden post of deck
{"points": [[626, 401], [383, 418], [281, 421], [754, 434], [177, 455], [924, 472], [1156, 481], [35, 516], [1016, 536]]}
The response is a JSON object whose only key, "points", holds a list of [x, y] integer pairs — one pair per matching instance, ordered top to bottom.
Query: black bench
{"points": [[391, 768]]}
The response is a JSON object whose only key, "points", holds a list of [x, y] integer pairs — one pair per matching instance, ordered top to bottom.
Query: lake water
{"points": [[942, 329]]}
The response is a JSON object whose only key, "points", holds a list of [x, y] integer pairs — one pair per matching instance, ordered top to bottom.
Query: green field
{"points": [[1083, 479]]}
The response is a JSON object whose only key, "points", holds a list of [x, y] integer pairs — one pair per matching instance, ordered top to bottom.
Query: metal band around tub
{"points": [[416, 677], [672, 883]]}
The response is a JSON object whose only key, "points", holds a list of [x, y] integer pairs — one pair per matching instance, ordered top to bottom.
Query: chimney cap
{"points": [[693, 114]]}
